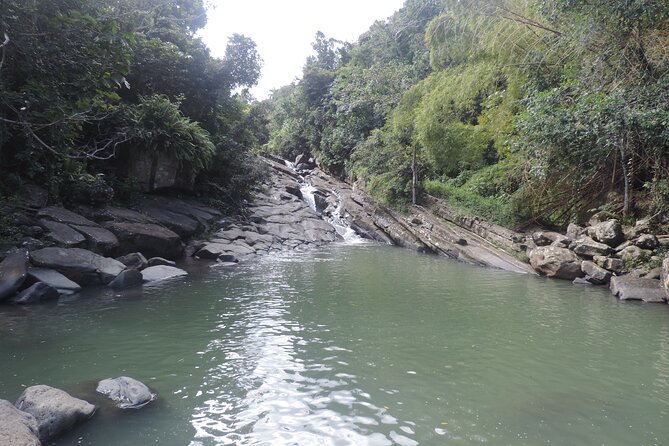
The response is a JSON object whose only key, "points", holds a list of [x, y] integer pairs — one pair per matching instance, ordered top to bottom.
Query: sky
{"points": [[285, 29]]}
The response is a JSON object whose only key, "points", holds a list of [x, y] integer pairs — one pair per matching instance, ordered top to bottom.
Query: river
{"points": [[354, 345]]}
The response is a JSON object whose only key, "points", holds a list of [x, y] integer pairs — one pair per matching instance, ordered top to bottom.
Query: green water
{"points": [[355, 345]]}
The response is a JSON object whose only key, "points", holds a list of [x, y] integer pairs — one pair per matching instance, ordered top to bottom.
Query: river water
{"points": [[354, 345]]}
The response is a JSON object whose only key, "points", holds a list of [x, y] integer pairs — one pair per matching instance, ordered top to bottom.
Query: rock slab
{"points": [[555, 262], [79, 265], [13, 272], [161, 272], [632, 288], [37, 293], [127, 393], [56, 411], [17, 428]]}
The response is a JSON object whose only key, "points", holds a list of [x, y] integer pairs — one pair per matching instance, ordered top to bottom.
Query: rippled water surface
{"points": [[355, 345]]}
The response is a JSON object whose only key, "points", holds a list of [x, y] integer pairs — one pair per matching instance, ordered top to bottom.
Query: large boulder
{"points": [[70, 230], [574, 231], [609, 232], [62, 234], [545, 238], [98, 239], [151, 239], [647, 241], [587, 247], [632, 253], [134, 260], [555, 262], [610, 264], [80, 265], [13, 272], [158, 273], [595, 274], [54, 279], [127, 279], [632, 288], [37, 293], [127, 393], [56, 411], [17, 428]]}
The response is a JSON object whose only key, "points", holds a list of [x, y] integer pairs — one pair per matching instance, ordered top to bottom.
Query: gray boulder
{"points": [[62, 215], [183, 225], [574, 231], [609, 232], [62, 234], [545, 238], [98, 239], [151, 239], [647, 241], [587, 247], [212, 251], [633, 253], [134, 260], [158, 261], [555, 262], [610, 264], [80, 265], [13, 272], [157, 273], [595, 274], [665, 277], [54, 279], [127, 279], [631, 288], [37, 293], [127, 393], [56, 411], [17, 428]]}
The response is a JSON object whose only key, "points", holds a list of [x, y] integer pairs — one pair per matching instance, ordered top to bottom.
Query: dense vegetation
{"points": [[84, 85], [517, 110]]}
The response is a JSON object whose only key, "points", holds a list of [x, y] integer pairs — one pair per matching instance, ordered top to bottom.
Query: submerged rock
{"points": [[134, 260], [555, 262], [13, 272], [161, 272], [127, 279], [632, 288], [37, 293], [127, 393], [54, 410], [17, 428]]}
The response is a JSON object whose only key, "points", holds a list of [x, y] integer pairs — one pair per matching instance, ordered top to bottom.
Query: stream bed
{"points": [[354, 345]]}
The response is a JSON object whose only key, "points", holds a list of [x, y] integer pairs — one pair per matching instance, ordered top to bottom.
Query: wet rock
{"points": [[609, 232], [62, 234], [151, 239], [647, 241], [587, 247], [212, 251], [632, 253], [228, 258], [134, 260], [158, 261], [558, 263], [79, 265], [13, 272], [157, 273], [595, 274], [54, 279], [127, 279], [582, 281], [631, 288], [37, 293], [127, 393], [54, 410], [17, 428]]}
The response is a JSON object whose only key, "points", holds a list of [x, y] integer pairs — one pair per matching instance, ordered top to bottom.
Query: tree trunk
{"points": [[623, 165]]}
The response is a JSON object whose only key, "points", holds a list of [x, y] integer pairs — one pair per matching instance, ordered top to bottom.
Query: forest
{"points": [[518, 111]]}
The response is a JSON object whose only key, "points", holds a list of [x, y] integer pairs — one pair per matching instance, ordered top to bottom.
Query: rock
{"points": [[292, 190], [62, 215], [181, 224], [641, 227], [574, 231], [609, 232], [62, 234], [545, 238], [98, 239], [150, 239], [562, 241], [647, 241], [461, 242], [32, 244], [622, 246], [193, 247], [587, 247], [212, 251], [632, 253], [227, 259], [134, 260], [158, 261], [559, 263], [610, 264], [80, 265], [13, 272], [638, 272], [157, 273], [655, 273], [595, 274], [665, 277], [54, 279], [127, 279], [581, 281], [630, 288], [37, 293], [127, 393], [55, 410], [17, 428]]}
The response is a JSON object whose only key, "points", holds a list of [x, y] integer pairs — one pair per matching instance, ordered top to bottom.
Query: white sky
{"points": [[285, 29]]}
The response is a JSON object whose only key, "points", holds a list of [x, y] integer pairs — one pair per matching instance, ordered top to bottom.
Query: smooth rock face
{"points": [[609, 232], [587, 247], [559, 263], [80, 265], [13, 272], [157, 273], [595, 274], [54, 279], [127, 279], [631, 288], [37, 293], [127, 393], [56, 411], [17, 428]]}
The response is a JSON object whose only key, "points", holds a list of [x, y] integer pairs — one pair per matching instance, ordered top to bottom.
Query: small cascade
{"points": [[337, 217]]}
